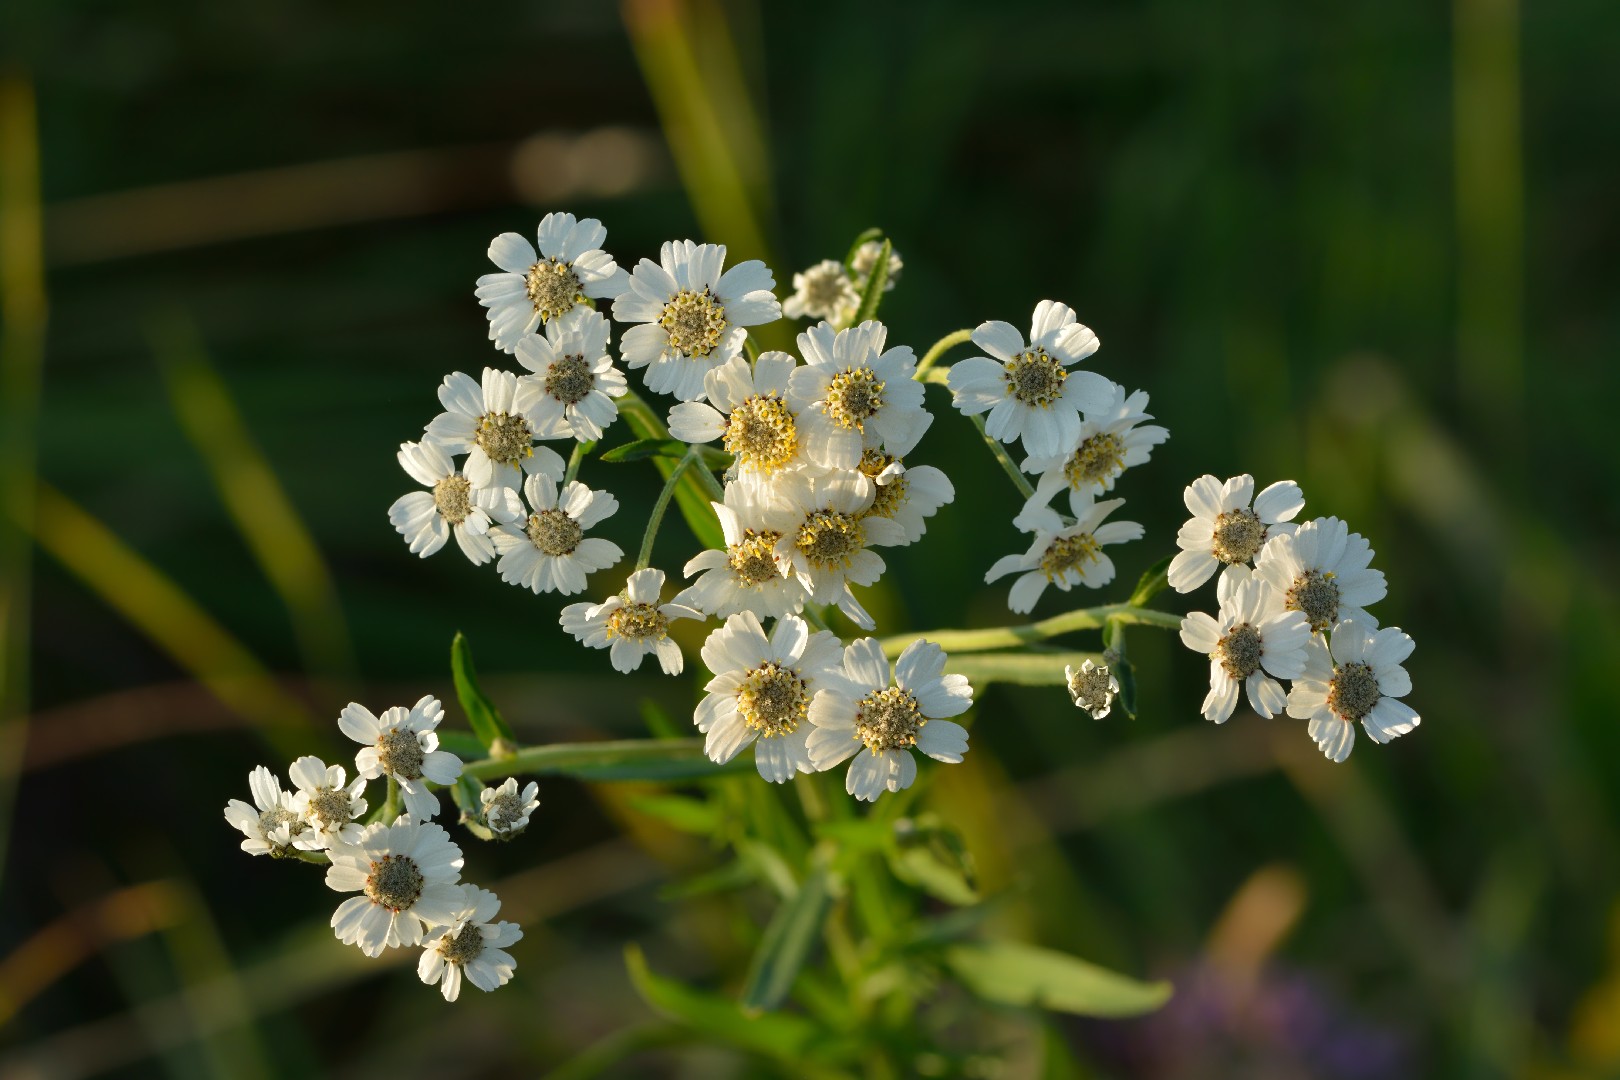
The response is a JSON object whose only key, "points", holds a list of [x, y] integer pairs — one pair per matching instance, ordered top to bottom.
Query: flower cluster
{"points": [[1293, 606], [404, 867]]}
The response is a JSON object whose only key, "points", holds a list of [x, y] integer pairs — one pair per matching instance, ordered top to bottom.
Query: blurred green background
{"points": [[1371, 247]]}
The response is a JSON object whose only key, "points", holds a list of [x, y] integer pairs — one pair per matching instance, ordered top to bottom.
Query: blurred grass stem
{"points": [[940, 348]]}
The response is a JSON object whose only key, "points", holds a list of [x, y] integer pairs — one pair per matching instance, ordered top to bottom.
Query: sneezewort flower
{"points": [[535, 288], [823, 291], [574, 383], [853, 394], [748, 410], [491, 423], [1111, 441], [905, 496], [451, 505], [1225, 530], [828, 540], [548, 550], [1064, 555], [1324, 571], [750, 574], [632, 624], [1254, 642], [1357, 677], [1092, 688], [878, 722], [402, 745], [330, 807], [506, 810], [272, 822], [406, 874], [472, 946]]}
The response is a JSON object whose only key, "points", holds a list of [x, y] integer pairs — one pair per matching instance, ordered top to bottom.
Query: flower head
{"points": [[865, 261], [533, 288], [824, 291], [690, 316], [574, 383], [1028, 389], [852, 394], [748, 411], [490, 423], [1111, 441], [904, 496], [426, 519], [1225, 530], [827, 538], [549, 551], [1064, 555], [1325, 572], [750, 574], [632, 624], [1254, 642], [1356, 677], [1092, 687], [761, 691], [879, 723], [402, 745], [328, 806], [506, 810], [272, 824], [406, 874], [473, 945]]}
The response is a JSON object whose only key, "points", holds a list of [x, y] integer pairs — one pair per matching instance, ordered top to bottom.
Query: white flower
{"points": [[865, 261], [570, 267], [824, 291], [692, 317], [574, 383], [1028, 390], [851, 394], [748, 409], [490, 423], [1110, 442], [906, 496], [427, 518], [1225, 530], [827, 538], [550, 552], [1061, 555], [1324, 570], [749, 575], [631, 624], [1253, 639], [1358, 677], [1092, 687], [761, 691], [888, 721], [402, 745], [328, 806], [506, 810], [273, 822], [407, 874], [472, 945]]}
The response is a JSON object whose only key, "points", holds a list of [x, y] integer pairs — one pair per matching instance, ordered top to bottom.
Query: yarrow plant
{"points": [[796, 471]]}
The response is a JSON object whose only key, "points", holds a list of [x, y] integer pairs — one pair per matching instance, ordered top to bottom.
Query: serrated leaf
{"points": [[873, 296], [642, 449], [1153, 581], [485, 719], [698, 816], [789, 940], [1013, 974], [782, 1036]]}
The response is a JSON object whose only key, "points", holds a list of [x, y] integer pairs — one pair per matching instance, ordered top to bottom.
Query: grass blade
{"points": [[485, 719], [788, 942]]}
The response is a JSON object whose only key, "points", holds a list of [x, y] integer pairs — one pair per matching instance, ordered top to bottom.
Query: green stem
{"points": [[939, 348], [577, 456], [1006, 461], [657, 517], [813, 615], [1010, 637], [631, 755], [391, 803]]}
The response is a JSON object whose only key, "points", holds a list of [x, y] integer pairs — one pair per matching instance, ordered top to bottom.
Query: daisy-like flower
{"points": [[865, 261], [534, 288], [824, 291], [692, 317], [574, 383], [1028, 390], [851, 394], [749, 411], [488, 422], [1110, 442], [905, 496], [426, 519], [1225, 530], [827, 537], [549, 552], [1061, 555], [1324, 571], [750, 574], [631, 624], [1254, 642], [1357, 677], [1092, 687], [761, 691], [885, 722], [402, 745], [328, 806], [506, 809], [272, 824], [406, 874], [472, 946]]}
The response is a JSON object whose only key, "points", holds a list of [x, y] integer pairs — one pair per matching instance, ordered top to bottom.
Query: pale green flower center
{"points": [[553, 288], [694, 322], [1034, 378], [570, 380], [853, 397], [504, 438], [1098, 460], [452, 497], [554, 532], [1238, 535], [829, 537], [1069, 553], [752, 558], [1316, 594], [637, 622], [1239, 651], [1092, 688], [1354, 692], [773, 700], [888, 720], [399, 752], [332, 807], [504, 811], [395, 882], [463, 946]]}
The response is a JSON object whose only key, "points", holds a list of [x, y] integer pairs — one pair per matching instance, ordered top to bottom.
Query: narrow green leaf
{"points": [[873, 296], [642, 449], [692, 494], [1153, 581], [1019, 668], [1125, 672], [485, 719], [624, 759], [697, 816], [932, 857], [736, 874], [788, 942], [1012, 974], [782, 1036]]}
